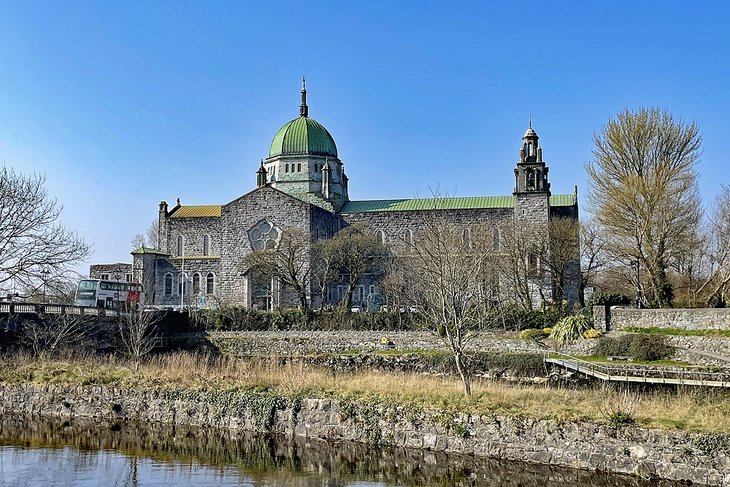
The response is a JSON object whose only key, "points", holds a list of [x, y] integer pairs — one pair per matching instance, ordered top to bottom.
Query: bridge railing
{"points": [[53, 309], [613, 372]]}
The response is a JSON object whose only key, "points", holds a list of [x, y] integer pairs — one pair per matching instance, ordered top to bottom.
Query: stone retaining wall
{"points": [[689, 319], [314, 342], [701, 459]]}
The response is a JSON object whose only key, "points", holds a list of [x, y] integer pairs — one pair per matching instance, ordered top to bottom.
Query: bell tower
{"points": [[531, 173], [532, 188]]}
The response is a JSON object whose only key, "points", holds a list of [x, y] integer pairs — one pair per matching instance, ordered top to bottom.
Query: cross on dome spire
{"points": [[303, 108]]}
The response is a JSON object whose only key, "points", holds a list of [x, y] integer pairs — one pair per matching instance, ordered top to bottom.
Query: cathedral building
{"points": [[302, 183]]}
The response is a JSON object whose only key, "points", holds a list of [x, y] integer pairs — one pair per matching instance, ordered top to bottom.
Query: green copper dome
{"points": [[303, 135]]}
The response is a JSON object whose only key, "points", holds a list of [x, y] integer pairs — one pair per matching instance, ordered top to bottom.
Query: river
{"points": [[52, 452]]}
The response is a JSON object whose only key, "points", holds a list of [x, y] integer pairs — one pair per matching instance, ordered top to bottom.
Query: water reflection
{"points": [[83, 452]]}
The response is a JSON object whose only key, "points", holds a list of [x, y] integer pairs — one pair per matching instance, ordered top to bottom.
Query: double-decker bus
{"points": [[108, 294]]}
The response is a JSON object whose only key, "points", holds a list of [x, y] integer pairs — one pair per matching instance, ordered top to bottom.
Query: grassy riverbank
{"points": [[687, 409]]}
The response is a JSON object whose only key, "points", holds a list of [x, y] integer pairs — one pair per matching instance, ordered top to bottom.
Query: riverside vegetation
{"points": [[690, 410]]}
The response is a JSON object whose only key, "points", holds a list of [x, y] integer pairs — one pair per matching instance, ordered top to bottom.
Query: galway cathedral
{"points": [[302, 183]]}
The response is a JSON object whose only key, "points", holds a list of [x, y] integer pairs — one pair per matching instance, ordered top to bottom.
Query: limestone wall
{"points": [[688, 319], [314, 342], [677, 455]]}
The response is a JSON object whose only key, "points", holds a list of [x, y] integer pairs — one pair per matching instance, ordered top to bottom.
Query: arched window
{"points": [[299, 167], [286, 168], [381, 236], [408, 237], [466, 238], [495, 239], [180, 245], [206, 245], [196, 283], [210, 283], [168, 284]]}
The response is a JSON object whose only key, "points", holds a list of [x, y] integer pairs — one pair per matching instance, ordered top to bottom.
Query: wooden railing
{"points": [[638, 373]]}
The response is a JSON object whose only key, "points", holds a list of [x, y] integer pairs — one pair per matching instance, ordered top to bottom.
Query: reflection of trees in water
{"points": [[300, 462]]}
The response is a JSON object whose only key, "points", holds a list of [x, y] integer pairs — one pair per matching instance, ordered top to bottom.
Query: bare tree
{"points": [[643, 185], [152, 235], [147, 239], [138, 241], [32, 242], [356, 251], [560, 253], [593, 256], [288, 262], [518, 262], [323, 267], [454, 275], [716, 286], [137, 333], [50, 334]]}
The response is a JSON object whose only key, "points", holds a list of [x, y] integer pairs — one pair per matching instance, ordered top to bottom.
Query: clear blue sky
{"points": [[123, 104]]}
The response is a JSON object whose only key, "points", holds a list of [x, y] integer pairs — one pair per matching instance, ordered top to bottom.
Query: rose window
{"points": [[264, 235]]}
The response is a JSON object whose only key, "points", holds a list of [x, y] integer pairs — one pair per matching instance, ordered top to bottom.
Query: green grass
{"points": [[655, 330], [602, 359]]}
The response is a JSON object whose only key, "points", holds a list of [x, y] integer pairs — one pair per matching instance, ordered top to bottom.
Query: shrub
{"points": [[608, 299], [242, 319], [522, 319], [570, 328], [592, 333], [532, 334], [638, 346], [649, 348], [518, 364], [619, 406]]}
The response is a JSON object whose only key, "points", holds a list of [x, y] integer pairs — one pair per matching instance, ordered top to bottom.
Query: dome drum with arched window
{"points": [[303, 161]]}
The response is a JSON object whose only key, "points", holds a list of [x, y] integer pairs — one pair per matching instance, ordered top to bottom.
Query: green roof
{"points": [[303, 135], [563, 200], [466, 203], [146, 250]]}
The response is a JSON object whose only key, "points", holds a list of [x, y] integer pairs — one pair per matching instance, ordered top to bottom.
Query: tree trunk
{"points": [[463, 372]]}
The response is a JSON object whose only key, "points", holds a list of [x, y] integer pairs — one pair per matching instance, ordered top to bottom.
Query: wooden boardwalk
{"points": [[640, 374]]}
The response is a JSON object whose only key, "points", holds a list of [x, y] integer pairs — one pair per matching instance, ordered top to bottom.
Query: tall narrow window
{"points": [[286, 168], [299, 168], [381, 236], [408, 237], [466, 237], [495, 239], [180, 245], [206, 245], [196, 283], [210, 283], [168, 284]]}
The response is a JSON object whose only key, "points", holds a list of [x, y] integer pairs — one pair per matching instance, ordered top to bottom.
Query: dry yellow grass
{"points": [[688, 409]]}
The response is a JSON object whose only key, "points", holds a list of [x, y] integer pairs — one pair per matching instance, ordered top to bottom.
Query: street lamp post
{"points": [[44, 273], [638, 283]]}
